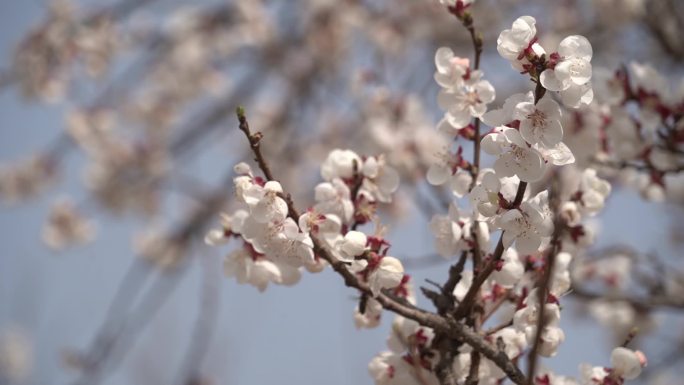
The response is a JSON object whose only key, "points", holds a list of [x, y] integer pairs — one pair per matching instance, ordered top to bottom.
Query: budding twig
{"points": [[632, 333]]}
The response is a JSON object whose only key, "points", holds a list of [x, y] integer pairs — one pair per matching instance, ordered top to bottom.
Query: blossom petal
{"points": [[576, 46]]}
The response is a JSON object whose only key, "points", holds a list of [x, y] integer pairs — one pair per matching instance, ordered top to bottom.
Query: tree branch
{"points": [[545, 280], [447, 326]]}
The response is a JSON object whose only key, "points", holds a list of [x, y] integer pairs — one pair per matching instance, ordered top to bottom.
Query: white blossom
{"points": [[512, 42], [573, 65], [450, 69], [572, 72], [646, 78], [608, 87], [466, 102], [505, 114], [540, 123], [623, 135], [558, 155], [515, 157], [340, 164], [447, 169], [441, 172], [380, 180], [593, 192], [485, 195], [334, 197], [265, 204], [570, 213], [317, 223], [230, 225], [66, 226], [526, 226], [452, 232], [282, 241], [352, 245], [249, 267], [613, 270], [510, 271], [387, 275], [560, 280], [619, 316], [370, 318], [525, 320], [407, 332], [551, 338], [514, 341], [627, 363], [389, 368], [592, 375]]}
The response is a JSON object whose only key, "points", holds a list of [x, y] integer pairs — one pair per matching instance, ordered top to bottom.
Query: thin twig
{"points": [[544, 283], [505, 297], [497, 328]]}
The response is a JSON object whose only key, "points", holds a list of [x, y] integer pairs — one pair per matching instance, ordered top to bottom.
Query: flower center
{"points": [[576, 68], [472, 98], [538, 119], [518, 152]]}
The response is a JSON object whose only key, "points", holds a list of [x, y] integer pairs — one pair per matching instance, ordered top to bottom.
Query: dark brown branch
{"points": [[476, 39], [455, 273], [542, 289], [497, 328], [444, 368], [474, 371]]}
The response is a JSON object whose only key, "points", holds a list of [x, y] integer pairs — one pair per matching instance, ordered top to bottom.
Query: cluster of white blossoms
{"points": [[44, 62], [566, 70], [464, 93], [636, 125], [398, 127], [526, 140], [66, 226], [454, 232], [276, 246], [409, 358], [412, 358], [625, 364]]}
